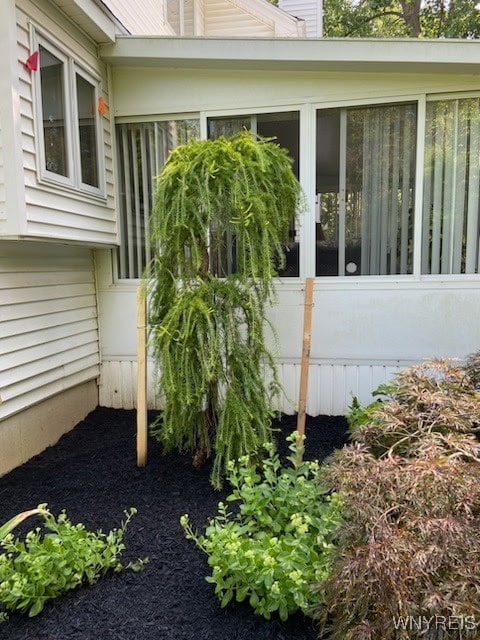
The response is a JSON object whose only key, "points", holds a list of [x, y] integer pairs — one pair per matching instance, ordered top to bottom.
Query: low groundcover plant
{"points": [[280, 541], [48, 564]]}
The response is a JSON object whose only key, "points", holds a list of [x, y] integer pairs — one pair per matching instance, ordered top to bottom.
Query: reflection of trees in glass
{"points": [[53, 112], [87, 130], [451, 187]]}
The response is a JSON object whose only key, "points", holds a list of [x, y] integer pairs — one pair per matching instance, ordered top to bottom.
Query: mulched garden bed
{"points": [[92, 474]]}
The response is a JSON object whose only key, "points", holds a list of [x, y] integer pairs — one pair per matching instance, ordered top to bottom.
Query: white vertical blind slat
{"points": [[472, 240]]}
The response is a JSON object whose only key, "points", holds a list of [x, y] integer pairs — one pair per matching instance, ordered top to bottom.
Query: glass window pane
{"points": [[53, 113], [227, 126], [285, 127], [87, 130], [143, 148], [365, 190], [451, 215]]}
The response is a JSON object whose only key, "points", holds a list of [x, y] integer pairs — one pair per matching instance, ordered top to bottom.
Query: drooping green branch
{"points": [[221, 220]]}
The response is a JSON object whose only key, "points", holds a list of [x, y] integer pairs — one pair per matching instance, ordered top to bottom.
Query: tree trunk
{"points": [[411, 15]]}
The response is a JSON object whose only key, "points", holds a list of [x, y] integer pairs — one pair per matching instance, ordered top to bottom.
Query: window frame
{"points": [[71, 68], [307, 161]]}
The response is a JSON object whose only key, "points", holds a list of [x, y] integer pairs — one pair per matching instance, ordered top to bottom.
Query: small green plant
{"points": [[280, 541], [44, 566]]}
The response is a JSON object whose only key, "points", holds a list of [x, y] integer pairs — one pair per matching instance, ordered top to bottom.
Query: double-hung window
{"points": [[69, 126]]}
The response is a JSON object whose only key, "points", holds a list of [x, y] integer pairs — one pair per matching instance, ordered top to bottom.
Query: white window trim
{"points": [[73, 181]]}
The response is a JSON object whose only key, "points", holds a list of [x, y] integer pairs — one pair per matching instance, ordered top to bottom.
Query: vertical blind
{"points": [[143, 149], [388, 171], [451, 187], [367, 203]]}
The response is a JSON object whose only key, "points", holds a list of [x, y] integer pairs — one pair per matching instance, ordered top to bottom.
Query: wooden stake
{"points": [[307, 334], [141, 378]]}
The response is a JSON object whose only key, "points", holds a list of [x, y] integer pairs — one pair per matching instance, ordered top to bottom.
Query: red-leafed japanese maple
{"points": [[408, 562]]}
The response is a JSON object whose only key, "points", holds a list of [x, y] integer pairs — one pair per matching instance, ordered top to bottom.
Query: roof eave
{"points": [[316, 54]]}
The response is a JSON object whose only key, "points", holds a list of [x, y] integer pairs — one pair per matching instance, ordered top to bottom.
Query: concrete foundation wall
{"points": [[29, 432]]}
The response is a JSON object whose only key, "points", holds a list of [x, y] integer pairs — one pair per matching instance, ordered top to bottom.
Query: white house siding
{"points": [[308, 10], [145, 18], [250, 18], [227, 19], [2, 178], [54, 212], [48, 322]]}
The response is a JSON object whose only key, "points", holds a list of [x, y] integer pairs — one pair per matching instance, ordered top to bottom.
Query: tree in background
{"points": [[402, 18]]}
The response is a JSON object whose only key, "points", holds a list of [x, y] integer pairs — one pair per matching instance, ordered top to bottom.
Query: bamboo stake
{"points": [[307, 334], [141, 378]]}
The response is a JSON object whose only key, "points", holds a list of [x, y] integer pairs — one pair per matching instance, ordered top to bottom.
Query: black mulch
{"points": [[92, 474]]}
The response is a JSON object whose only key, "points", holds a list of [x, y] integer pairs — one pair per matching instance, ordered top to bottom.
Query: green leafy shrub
{"points": [[280, 541], [407, 564], [44, 566]]}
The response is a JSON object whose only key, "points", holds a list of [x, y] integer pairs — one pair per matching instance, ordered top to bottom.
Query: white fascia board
{"points": [[93, 17], [306, 54]]}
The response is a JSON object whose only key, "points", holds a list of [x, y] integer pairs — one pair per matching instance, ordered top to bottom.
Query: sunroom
{"points": [[385, 139]]}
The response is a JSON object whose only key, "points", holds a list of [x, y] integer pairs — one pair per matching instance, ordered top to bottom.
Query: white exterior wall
{"points": [[308, 10], [145, 18], [231, 18], [226, 19], [2, 177], [54, 212], [48, 322], [364, 328]]}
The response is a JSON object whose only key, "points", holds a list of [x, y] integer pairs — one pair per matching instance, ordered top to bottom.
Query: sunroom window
{"points": [[285, 128], [70, 132], [143, 148], [365, 185], [387, 203], [451, 214]]}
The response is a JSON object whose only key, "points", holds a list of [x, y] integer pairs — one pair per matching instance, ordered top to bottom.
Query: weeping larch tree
{"points": [[220, 224]]}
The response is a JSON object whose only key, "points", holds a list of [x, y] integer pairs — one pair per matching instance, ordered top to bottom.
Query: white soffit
{"points": [[92, 16], [306, 54]]}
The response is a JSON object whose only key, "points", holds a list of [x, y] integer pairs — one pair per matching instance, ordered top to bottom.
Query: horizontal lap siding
{"points": [[308, 10], [222, 18], [150, 20], [54, 212], [48, 322]]}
